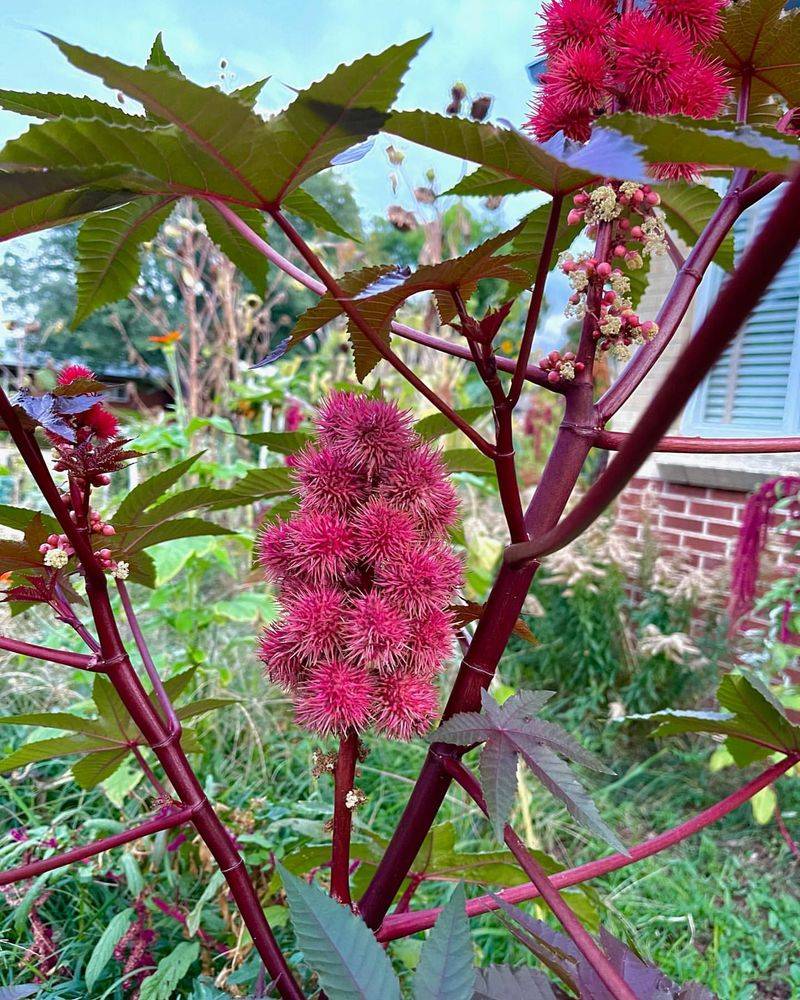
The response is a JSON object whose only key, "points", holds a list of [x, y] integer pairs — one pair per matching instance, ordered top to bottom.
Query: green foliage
{"points": [[760, 42], [509, 162], [688, 208], [236, 248], [108, 251], [437, 424], [755, 724], [105, 741], [338, 945], [171, 969], [445, 969]]}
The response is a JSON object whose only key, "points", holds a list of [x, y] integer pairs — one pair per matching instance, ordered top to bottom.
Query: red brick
{"points": [[638, 482], [696, 492], [733, 496], [673, 505], [722, 512], [681, 523], [631, 530], [722, 530], [669, 539], [704, 545], [712, 563]]}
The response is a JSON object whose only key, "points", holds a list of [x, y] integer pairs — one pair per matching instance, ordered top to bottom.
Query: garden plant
{"points": [[361, 541]]}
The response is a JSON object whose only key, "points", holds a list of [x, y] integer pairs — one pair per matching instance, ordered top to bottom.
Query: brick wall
{"points": [[701, 524]]}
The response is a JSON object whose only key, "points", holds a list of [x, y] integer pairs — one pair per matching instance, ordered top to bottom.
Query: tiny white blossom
{"points": [[56, 558], [121, 570], [354, 798]]}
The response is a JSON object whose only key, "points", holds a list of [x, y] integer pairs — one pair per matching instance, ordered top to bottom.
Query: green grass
{"points": [[722, 909]]}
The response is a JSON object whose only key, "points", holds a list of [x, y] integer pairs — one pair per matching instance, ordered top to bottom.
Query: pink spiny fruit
{"points": [[701, 20], [568, 21], [650, 56], [576, 77], [71, 373], [325, 482], [417, 484], [383, 531], [321, 545], [275, 549], [365, 573], [422, 580], [314, 617], [374, 632], [429, 643], [336, 696], [405, 705]]}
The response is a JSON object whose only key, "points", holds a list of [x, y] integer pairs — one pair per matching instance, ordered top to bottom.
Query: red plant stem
{"points": [[760, 188], [738, 298], [535, 305], [355, 316], [533, 373], [502, 410], [614, 440], [80, 661], [158, 687], [166, 748], [148, 772], [344, 774], [155, 825], [784, 832], [569, 921], [410, 923], [585, 943]]}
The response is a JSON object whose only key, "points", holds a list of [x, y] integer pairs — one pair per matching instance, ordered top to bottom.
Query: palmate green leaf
{"points": [[761, 40], [158, 58], [249, 93], [56, 105], [715, 143], [153, 157], [267, 159], [512, 163], [31, 200], [302, 204], [688, 208], [529, 241], [235, 247], [108, 252], [437, 424], [257, 484], [148, 492], [196, 498], [19, 518], [134, 539], [18, 555], [142, 570], [203, 707], [111, 709], [55, 720], [755, 722], [58, 746], [93, 768], [498, 770], [338, 945], [104, 949], [445, 970]]}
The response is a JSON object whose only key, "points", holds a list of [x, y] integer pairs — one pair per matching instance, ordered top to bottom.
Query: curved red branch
{"points": [[614, 440]]}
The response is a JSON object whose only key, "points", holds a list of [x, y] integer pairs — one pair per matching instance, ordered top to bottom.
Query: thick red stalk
{"points": [[738, 297], [533, 373], [613, 441], [80, 661], [164, 745], [343, 780], [165, 822], [419, 920], [583, 940], [585, 943]]}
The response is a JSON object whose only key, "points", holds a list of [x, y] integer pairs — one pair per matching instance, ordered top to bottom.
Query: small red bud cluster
{"points": [[561, 366]]}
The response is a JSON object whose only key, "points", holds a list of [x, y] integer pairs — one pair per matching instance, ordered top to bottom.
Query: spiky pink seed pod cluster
{"points": [[653, 61], [366, 574]]}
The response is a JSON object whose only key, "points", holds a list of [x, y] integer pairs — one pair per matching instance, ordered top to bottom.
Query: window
{"points": [[754, 388]]}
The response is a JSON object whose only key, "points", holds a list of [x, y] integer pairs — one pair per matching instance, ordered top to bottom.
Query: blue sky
{"points": [[294, 42]]}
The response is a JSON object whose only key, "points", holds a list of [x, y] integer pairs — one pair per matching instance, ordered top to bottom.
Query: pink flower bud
{"points": [[652, 198], [574, 217], [619, 251], [604, 269], [553, 377], [108, 530]]}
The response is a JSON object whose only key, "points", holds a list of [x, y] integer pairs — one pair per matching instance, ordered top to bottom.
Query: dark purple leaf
{"points": [[607, 153], [274, 355], [70, 405], [41, 410]]}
